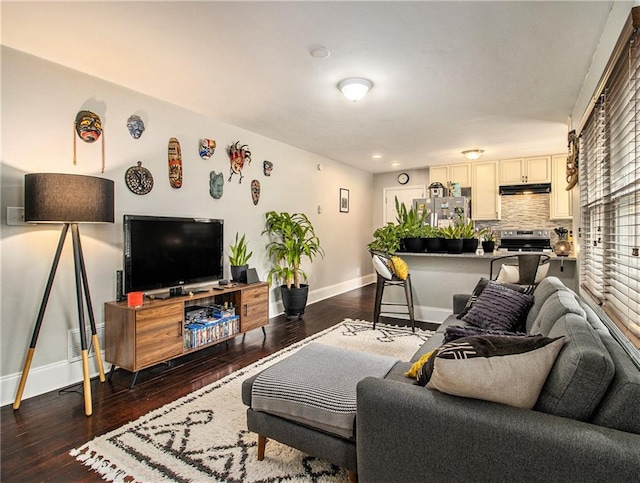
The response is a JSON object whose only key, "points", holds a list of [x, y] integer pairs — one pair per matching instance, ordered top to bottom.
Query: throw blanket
{"points": [[316, 386]]}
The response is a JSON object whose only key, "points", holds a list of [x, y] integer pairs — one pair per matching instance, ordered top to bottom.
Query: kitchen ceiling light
{"points": [[355, 88], [473, 154]]}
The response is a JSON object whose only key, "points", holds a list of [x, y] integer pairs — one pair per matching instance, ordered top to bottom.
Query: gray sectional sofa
{"points": [[585, 425]]}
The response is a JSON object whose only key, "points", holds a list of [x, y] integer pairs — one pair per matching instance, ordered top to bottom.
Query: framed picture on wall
{"points": [[344, 200]]}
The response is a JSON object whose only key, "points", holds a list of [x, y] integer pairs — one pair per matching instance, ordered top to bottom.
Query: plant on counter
{"points": [[410, 223], [467, 230], [452, 232], [488, 235], [386, 239]]}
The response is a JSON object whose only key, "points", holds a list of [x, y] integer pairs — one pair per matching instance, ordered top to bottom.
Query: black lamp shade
{"points": [[68, 198]]}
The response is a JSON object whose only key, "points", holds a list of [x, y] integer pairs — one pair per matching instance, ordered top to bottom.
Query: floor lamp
{"points": [[68, 199]]}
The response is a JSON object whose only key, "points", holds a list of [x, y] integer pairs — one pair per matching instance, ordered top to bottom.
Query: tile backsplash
{"points": [[526, 212]]}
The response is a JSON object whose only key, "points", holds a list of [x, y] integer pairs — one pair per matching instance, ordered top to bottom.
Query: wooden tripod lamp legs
{"points": [[82, 293]]}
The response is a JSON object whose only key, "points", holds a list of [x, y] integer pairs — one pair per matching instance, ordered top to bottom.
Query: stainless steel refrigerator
{"points": [[446, 208]]}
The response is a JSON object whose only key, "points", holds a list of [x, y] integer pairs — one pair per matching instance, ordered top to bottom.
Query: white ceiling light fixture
{"points": [[355, 88], [473, 154]]}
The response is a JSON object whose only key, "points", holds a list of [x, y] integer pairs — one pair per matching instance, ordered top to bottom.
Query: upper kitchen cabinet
{"points": [[525, 170], [453, 173], [485, 200], [561, 201]]}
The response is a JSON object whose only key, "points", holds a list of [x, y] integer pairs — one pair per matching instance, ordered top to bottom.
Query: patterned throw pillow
{"points": [[482, 284], [499, 308], [454, 332], [417, 365], [503, 369]]}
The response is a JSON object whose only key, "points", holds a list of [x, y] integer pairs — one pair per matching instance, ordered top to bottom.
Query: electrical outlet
{"points": [[15, 215]]}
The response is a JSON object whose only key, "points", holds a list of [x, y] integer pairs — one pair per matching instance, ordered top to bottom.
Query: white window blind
{"points": [[610, 196]]}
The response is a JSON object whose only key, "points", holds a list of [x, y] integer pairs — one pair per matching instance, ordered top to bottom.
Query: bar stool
{"points": [[386, 276]]}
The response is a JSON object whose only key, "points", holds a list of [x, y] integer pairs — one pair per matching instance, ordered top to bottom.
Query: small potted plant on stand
{"points": [[292, 239], [489, 241], [238, 259]]}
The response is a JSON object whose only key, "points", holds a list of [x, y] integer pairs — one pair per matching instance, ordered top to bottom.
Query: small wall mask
{"points": [[135, 125], [88, 126], [207, 148], [238, 155], [267, 167], [216, 185], [255, 191]]}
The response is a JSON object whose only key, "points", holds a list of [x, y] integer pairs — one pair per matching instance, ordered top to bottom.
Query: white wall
{"points": [[39, 104]]}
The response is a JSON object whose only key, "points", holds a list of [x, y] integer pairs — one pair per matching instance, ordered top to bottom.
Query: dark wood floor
{"points": [[37, 438]]}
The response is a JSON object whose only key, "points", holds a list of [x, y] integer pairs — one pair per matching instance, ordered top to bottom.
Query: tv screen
{"points": [[164, 252]]}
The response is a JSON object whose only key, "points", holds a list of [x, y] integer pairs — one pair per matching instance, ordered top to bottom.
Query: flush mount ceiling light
{"points": [[355, 88], [472, 154]]}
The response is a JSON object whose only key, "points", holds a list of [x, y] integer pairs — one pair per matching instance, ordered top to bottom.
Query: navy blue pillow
{"points": [[499, 308]]}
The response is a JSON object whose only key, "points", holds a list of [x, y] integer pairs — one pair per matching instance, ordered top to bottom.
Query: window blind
{"points": [[610, 193]]}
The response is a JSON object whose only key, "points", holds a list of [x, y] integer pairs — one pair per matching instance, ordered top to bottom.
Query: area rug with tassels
{"points": [[203, 436]]}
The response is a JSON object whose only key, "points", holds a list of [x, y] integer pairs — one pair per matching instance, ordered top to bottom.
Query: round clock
{"points": [[403, 178], [139, 180]]}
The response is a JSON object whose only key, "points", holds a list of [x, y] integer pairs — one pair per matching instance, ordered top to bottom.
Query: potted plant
{"points": [[411, 227], [468, 235], [292, 238], [453, 238], [386, 239], [434, 239], [488, 240], [238, 259]]}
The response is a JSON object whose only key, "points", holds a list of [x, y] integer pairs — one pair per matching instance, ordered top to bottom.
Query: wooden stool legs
{"points": [[381, 283]]}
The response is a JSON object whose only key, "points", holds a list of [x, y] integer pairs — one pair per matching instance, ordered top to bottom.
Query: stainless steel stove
{"points": [[514, 240]]}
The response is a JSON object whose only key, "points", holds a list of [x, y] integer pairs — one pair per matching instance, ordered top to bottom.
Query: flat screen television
{"points": [[164, 252]]}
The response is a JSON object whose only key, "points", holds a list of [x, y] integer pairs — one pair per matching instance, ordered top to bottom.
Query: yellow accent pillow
{"points": [[400, 267], [417, 365]]}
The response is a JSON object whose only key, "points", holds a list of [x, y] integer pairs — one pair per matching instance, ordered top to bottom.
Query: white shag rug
{"points": [[203, 436]]}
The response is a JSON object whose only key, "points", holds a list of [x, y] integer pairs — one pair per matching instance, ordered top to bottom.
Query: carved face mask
{"points": [[135, 125], [88, 126], [207, 148], [267, 167], [216, 184], [255, 191]]}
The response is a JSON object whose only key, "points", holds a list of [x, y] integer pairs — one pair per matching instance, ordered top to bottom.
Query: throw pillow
{"points": [[381, 266], [400, 268], [511, 273], [482, 284], [499, 308], [454, 332], [417, 365], [507, 370]]}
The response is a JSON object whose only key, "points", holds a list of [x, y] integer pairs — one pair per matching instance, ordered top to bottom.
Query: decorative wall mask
{"points": [[135, 125], [88, 126], [207, 148], [238, 155], [572, 160], [175, 163], [267, 167], [139, 180], [216, 185], [255, 191]]}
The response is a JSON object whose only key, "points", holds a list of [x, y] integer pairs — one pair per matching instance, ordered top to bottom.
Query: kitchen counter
{"points": [[436, 277]]}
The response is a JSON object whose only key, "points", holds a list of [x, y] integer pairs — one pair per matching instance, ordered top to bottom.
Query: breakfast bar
{"points": [[436, 277]]}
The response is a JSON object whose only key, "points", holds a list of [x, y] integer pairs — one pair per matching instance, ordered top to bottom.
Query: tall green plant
{"points": [[410, 223], [292, 238], [386, 239], [239, 255]]}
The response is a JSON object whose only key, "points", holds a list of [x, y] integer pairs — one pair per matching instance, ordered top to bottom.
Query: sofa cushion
{"points": [[511, 273], [481, 285], [544, 290], [558, 304], [499, 308], [454, 332], [503, 369], [581, 374], [618, 408]]}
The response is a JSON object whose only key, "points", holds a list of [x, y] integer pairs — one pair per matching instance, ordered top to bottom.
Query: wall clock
{"points": [[403, 178]]}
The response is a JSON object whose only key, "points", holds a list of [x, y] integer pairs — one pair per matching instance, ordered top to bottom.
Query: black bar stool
{"points": [[386, 277]]}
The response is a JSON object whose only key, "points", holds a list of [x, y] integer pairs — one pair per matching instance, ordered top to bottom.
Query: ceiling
{"points": [[448, 76]]}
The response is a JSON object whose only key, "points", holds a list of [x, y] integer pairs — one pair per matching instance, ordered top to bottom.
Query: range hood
{"points": [[525, 189]]}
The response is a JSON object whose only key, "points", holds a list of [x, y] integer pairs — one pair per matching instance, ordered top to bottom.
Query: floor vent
{"points": [[74, 348]]}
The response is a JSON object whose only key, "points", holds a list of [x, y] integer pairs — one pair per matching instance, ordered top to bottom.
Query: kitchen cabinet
{"points": [[525, 170], [453, 173], [485, 200], [561, 201]]}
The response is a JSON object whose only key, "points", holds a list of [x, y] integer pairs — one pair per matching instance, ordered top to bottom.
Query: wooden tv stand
{"points": [[137, 338]]}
